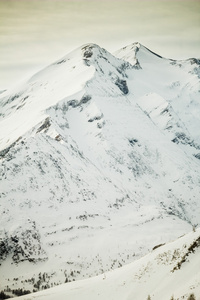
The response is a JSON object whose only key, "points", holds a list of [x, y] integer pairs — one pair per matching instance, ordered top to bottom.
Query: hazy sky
{"points": [[34, 33]]}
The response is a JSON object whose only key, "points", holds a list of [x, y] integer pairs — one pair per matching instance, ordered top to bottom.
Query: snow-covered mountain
{"points": [[100, 162], [168, 272]]}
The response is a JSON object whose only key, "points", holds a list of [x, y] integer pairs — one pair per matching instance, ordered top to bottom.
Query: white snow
{"points": [[99, 163], [151, 275]]}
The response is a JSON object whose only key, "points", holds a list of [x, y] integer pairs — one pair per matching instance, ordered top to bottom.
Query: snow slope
{"points": [[176, 81], [99, 163], [169, 270]]}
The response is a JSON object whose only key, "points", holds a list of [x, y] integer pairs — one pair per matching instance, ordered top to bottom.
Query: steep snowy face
{"points": [[176, 81], [25, 107], [99, 162]]}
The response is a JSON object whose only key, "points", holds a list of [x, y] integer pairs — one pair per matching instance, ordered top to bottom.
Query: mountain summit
{"points": [[100, 162]]}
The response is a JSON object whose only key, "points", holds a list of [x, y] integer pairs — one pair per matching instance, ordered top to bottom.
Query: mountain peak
{"points": [[90, 46], [91, 52], [136, 53]]}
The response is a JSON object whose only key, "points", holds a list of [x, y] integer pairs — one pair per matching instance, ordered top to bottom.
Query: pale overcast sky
{"points": [[34, 33]]}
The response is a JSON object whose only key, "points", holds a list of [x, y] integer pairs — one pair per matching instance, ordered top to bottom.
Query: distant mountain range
{"points": [[100, 162]]}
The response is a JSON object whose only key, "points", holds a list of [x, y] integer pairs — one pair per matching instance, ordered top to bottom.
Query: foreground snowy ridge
{"points": [[100, 162], [170, 270]]}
